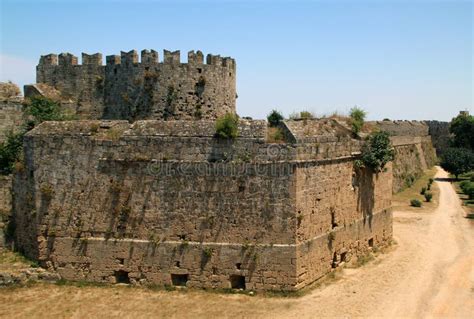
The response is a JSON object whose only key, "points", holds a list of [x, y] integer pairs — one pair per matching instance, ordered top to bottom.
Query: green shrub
{"points": [[44, 109], [306, 115], [274, 118], [357, 119], [227, 126], [10, 151], [377, 151], [430, 181], [428, 187], [467, 188], [423, 191], [428, 196], [415, 203]]}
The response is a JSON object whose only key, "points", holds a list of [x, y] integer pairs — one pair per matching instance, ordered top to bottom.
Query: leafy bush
{"points": [[44, 109], [306, 115], [275, 118], [357, 119], [227, 126], [10, 151], [377, 151], [457, 160], [430, 181], [467, 188], [423, 191], [428, 196], [415, 203]]}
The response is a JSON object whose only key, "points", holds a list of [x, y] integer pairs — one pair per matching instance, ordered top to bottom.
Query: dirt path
{"points": [[429, 274]]}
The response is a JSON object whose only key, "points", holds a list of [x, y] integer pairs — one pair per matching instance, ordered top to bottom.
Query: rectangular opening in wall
{"points": [[371, 242], [343, 257], [121, 277], [179, 280], [237, 282]]}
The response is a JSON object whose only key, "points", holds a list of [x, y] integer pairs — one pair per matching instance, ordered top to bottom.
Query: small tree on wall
{"points": [[274, 118], [357, 119], [227, 126], [376, 152]]}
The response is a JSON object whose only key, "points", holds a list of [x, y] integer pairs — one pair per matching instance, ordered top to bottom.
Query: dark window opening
{"points": [[147, 68], [199, 70], [115, 71], [241, 188], [333, 219], [182, 237], [371, 242], [343, 257], [334, 260], [121, 261], [177, 263], [238, 265], [214, 270], [121, 277], [179, 280], [237, 282]]}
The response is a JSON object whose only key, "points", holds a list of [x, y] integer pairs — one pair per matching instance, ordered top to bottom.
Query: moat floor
{"points": [[429, 273]]}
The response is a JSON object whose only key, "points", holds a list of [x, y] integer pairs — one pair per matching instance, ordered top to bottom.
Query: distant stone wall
{"points": [[131, 90], [11, 115], [403, 128], [439, 132], [414, 152], [161, 202], [5, 205]]}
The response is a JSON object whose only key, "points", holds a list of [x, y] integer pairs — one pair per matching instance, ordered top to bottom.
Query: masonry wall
{"points": [[128, 89], [11, 116], [439, 132], [413, 148], [100, 200], [101, 204], [5, 205], [342, 213]]}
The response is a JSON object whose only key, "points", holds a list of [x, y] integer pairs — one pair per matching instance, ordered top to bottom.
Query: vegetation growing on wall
{"points": [[38, 109], [357, 116], [274, 118], [227, 126], [376, 152]]}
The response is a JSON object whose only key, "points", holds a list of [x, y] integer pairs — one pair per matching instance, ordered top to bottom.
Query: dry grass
{"points": [[401, 200], [10, 261], [53, 301]]}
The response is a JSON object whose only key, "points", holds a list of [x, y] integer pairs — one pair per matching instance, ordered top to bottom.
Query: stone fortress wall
{"points": [[126, 88], [11, 109], [439, 132], [414, 150], [153, 197], [166, 202]]}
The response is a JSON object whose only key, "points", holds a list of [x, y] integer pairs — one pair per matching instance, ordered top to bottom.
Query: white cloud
{"points": [[18, 70]]}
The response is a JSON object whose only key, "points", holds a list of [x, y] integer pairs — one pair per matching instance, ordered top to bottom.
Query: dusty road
{"points": [[429, 274]]}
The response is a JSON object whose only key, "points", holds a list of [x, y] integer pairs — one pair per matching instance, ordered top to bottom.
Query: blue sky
{"points": [[396, 59]]}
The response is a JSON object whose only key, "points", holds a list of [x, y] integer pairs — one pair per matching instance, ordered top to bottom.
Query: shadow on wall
{"points": [[366, 198]]}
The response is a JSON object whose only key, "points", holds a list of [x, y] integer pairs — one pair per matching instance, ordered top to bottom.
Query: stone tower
{"points": [[126, 88]]}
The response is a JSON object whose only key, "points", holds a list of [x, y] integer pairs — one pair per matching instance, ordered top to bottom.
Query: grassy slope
{"points": [[401, 200]]}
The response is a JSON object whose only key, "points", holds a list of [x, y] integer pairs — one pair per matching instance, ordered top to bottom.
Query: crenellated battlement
{"points": [[131, 57], [141, 86]]}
